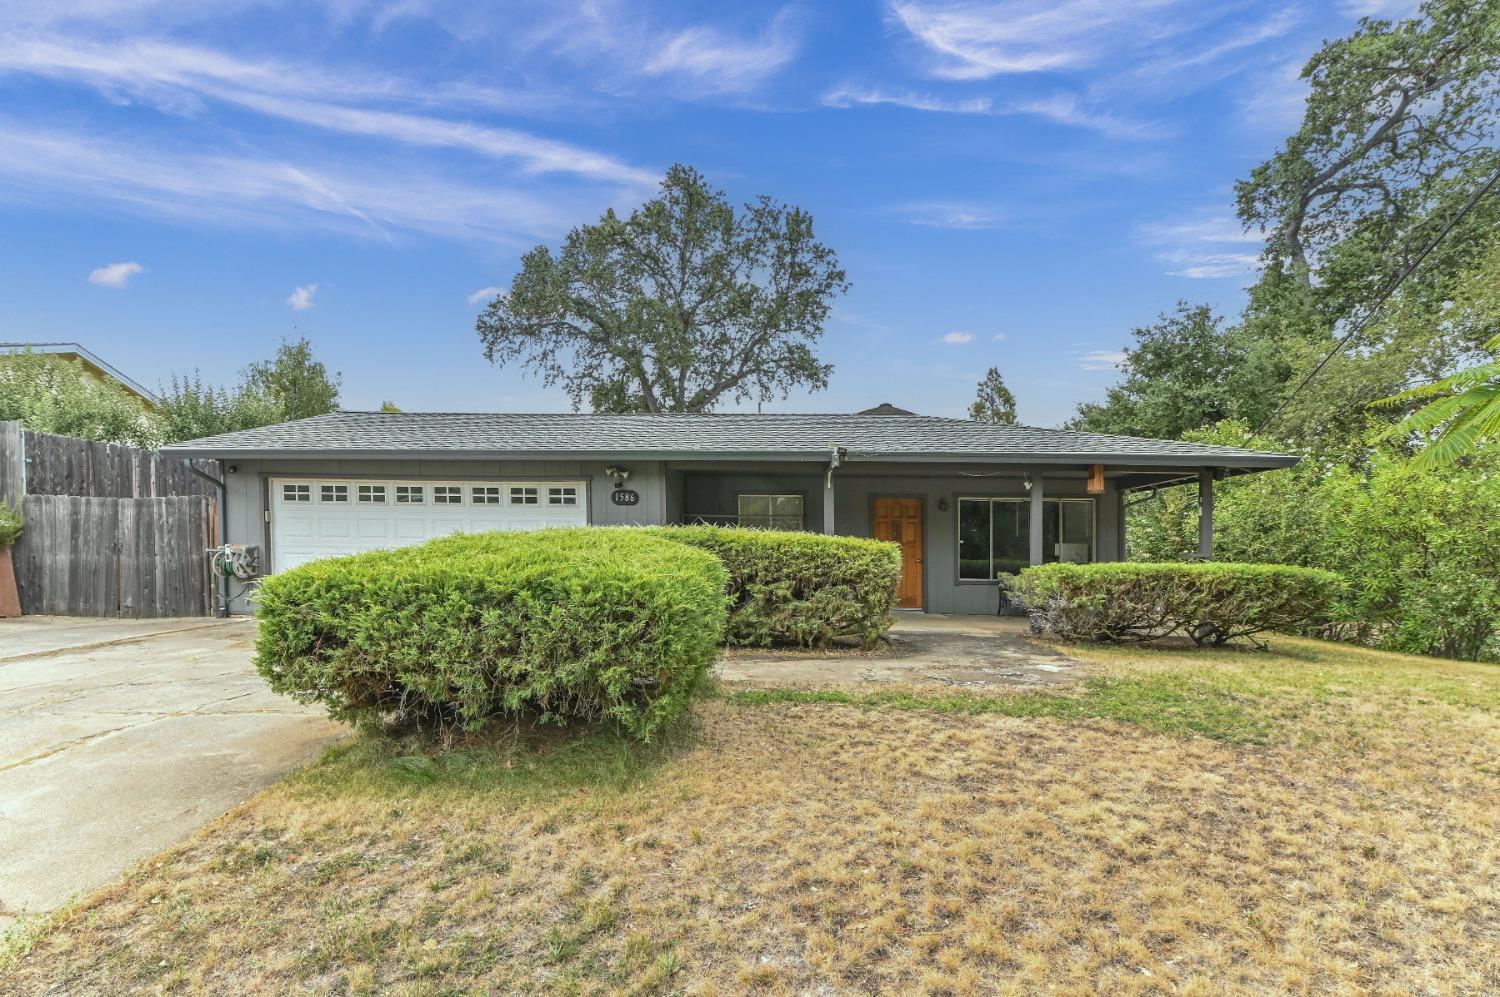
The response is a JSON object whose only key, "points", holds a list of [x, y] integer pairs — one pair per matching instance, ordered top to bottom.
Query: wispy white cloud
{"points": [[1388, 9], [973, 41], [722, 62], [180, 79], [849, 95], [1276, 100], [1062, 108], [1069, 109], [228, 189], [951, 215], [1213, 228], [1203, 247], [1209, 266], [114, 274], [485, 294], [301, 298], [998, 337], [958, 338], [1102, 359]]}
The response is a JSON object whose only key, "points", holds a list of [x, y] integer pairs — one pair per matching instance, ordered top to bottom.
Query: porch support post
{"points": [[828, 502], [1206, 513], [1038, 549]]}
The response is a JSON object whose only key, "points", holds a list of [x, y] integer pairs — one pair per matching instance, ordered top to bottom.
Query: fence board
{"points": [[12, 463]]}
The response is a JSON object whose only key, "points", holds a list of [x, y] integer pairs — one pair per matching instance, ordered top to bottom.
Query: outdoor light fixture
{"points": [[620, 474], [1026, 480], [943, 504]]}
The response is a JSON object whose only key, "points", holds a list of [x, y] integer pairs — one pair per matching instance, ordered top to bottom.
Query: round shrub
{"points": [[800, 588], [1211, 602], [559, 624]]}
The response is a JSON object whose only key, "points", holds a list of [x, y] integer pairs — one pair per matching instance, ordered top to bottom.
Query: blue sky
{"points": [[1016, 183]]}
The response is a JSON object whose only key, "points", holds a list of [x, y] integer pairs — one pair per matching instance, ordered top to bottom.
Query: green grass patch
{"points": [[1166, 704], [534, 767]]}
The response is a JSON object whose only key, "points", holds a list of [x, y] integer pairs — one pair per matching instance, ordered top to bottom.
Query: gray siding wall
{"points": [[856, 490], [669, 492]]}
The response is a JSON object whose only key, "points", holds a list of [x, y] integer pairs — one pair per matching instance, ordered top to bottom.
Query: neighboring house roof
{"points": [[93, 363], [885, 408], [705, 437]]}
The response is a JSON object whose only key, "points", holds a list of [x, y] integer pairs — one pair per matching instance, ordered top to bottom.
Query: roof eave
{"points": [[1257, 461]]}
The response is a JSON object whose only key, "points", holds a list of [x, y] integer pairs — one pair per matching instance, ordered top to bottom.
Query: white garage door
{"points": [[325, 517]]}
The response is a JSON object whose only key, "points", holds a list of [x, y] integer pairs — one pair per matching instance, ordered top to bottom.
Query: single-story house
{"points": [[966, 500]]}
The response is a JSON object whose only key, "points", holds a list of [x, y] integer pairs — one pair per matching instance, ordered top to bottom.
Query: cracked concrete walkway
{"points": [[969, 651], [118, 738]]}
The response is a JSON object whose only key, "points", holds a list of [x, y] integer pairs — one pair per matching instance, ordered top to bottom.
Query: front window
{"points": [[772, 512], [994, 534]]}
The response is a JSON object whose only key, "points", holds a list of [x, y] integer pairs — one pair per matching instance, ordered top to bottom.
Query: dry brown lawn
{"points": [[1318, 819]]}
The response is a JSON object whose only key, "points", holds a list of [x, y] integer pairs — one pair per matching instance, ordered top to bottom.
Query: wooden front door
{"points": [[899, 520]]}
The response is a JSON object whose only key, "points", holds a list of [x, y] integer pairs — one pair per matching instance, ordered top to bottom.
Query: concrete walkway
{"points": [[967, 651], [118, 738]]}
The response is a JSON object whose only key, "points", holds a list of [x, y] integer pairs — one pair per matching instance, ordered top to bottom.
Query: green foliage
{"points": [[1397, 129], [682, 305], [1185, 371], [296, 383], [291, 385], [51, 394], [994, 402], [191, 409], [1461, 412], [12, 522], [1420, 551], [800, 588], [1211, 602], [556, 624], [1170, 703]]}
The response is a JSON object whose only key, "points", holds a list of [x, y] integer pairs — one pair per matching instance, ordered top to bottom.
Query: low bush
{"points": [[12, 522], [800, 588], [1211, 602], [557, 624]]}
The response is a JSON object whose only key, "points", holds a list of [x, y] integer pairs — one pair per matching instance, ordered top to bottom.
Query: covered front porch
{"points": [[959, 525]]}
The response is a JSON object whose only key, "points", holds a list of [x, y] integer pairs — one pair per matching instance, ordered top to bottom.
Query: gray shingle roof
{"points": [[726, 435]]}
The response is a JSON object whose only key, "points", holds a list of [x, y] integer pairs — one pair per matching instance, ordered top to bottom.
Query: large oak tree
{"points": [[682, 306]]}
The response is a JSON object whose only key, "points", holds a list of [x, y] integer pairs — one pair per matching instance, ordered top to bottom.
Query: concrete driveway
{"points": [[120, 737]]}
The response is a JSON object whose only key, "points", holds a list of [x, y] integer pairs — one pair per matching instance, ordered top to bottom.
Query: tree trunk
{"points": [[10, 598]]}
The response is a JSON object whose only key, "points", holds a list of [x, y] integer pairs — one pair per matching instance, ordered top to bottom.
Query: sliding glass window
{"points": [[994, 534]]}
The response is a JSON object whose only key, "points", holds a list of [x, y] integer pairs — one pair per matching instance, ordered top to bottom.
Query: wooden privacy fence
{"points": [[110, 530], [116, 557]]}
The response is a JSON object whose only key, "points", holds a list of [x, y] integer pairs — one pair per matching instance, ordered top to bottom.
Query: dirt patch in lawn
{"points": [[901, 843]]}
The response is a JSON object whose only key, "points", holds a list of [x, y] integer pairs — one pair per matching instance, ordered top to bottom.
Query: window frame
{"points": [[451, 494], [958, 500], [771, 516]]}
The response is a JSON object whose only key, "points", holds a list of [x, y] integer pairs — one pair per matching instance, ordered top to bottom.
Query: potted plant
{"points": [[11, 525]]}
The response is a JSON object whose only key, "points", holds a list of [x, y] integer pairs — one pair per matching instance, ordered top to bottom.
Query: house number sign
{"points": [[625, 496]]}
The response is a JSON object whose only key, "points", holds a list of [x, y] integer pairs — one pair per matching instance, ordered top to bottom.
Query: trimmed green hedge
{"points": [[800, 588], [1211, 602], [560, 624]]}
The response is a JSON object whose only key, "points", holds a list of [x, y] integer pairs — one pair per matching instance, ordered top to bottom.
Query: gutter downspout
{"points": [[218, 483]]}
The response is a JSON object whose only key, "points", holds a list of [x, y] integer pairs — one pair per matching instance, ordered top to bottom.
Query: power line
{"points": [[1381, 300]]}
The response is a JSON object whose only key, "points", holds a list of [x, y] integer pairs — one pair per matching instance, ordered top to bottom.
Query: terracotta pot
{"points": [[10, 599]]}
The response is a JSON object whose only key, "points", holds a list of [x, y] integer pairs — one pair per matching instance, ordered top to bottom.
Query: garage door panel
{"points": [[314, 518]]}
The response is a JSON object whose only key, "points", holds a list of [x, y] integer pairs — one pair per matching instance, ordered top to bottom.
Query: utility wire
{"points": [[1381, 300]]}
